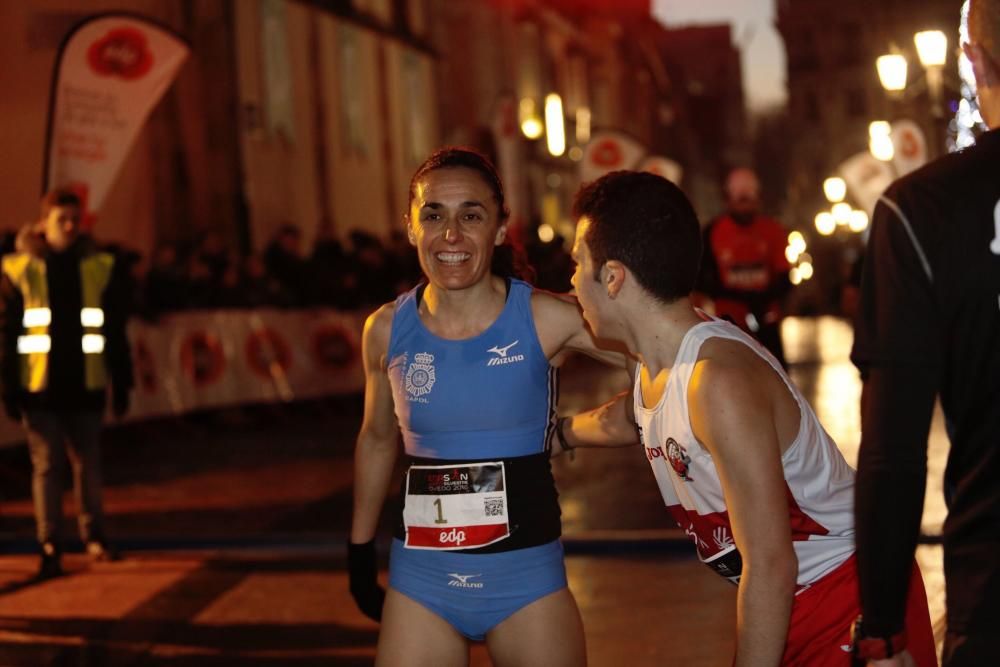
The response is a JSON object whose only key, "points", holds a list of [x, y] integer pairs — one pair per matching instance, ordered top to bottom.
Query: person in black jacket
{"points": [[63, 311], [928, 325]]}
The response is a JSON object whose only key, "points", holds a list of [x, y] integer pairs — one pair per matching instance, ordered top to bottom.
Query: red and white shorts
{"points": [[819, 634]]}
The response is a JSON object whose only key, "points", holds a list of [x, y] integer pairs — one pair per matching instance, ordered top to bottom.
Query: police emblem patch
{"points": [[420, 375]]}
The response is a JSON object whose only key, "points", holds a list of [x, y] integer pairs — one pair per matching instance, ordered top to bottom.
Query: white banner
{"points": [[110, 73], [909, 146], [609, 151], [661, 166], [867, 178], [213, 359]]}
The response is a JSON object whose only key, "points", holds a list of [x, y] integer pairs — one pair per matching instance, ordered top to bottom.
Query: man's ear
{"points": [[986, 70], [613, 277]]}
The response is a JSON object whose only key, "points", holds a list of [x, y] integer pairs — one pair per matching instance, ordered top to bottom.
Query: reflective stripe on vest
{"points": [[27, 273]]}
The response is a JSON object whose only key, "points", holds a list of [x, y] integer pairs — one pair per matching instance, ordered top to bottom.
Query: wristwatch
{"points": [[875, 648]]}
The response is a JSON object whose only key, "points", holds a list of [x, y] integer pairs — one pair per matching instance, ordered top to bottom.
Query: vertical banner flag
{"points": [[110, 72]]}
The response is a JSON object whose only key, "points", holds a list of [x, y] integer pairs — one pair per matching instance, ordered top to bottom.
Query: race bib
{"points": [[458, 506]]}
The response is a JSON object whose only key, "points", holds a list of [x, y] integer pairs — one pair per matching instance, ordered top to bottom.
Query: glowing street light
{"points": [[932, 48], [892, 72], [531, 124], [555, 128], [879, 128], [880, 140], [835, 189], [841, 213], [858, 221], [825, 224], [546, 233], [797, 241], [791, 254], [806, 270], [794, 276]]}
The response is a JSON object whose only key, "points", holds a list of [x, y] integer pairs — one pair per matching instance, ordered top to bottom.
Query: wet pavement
{"points": [[233, 527]]}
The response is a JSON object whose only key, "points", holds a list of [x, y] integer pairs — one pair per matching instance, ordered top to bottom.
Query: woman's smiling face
{"points": [[455, 223]]}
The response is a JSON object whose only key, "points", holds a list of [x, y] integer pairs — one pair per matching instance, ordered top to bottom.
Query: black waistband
{"points": [[532, 502]]}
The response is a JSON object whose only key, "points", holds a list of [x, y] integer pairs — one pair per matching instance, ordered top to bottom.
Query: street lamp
{"points": [[932, 49], [892, 72], [880, 140], [835, 189], [825, 224]]}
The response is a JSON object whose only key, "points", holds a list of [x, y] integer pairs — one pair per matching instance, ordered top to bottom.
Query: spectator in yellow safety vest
{"points": [[63, 310]]}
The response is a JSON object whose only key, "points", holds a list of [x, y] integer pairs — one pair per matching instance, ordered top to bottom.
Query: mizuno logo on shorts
{"points": [[462, 580]]}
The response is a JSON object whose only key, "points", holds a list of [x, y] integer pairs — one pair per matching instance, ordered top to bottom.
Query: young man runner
{"points": [[742, 462]]}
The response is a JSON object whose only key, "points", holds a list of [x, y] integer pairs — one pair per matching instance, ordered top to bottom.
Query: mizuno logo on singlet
{"points": [[502, 357], [462, 580]]}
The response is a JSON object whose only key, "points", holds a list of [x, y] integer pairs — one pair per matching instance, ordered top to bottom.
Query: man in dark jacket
{"points": [[63, 310], [928, 326]]}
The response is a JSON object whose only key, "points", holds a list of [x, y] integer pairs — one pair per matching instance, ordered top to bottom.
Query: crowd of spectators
{"points": [[362, 273]]}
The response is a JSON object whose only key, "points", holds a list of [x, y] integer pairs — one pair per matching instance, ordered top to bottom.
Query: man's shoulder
{"points": [[953, 172]]}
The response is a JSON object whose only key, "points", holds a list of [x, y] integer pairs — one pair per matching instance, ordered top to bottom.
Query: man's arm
{"points": [[117, 305], [898, 347], [733, 418], [610, 425]]}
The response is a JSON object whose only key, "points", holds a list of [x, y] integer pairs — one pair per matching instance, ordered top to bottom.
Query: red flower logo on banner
{"points": [[122, 52], [607, 154], [332, 347], [202, 358]]}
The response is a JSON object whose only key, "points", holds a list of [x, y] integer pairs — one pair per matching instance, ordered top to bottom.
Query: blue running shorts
{"points": [[476, 592]]}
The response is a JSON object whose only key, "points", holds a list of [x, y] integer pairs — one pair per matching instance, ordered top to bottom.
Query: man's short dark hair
{"points": [[59, 197], [645, 222]]}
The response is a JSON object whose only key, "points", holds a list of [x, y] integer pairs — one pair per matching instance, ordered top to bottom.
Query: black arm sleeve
{"points": [[117, 303], [11, 316], [898, 349]]}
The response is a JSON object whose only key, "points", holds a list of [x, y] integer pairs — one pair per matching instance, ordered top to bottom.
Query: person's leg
{"points": [[84, 440], [46, 446], [549, 632], [414, 636]]}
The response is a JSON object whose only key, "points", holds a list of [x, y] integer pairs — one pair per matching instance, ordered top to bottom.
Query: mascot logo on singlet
{"points": [[420, 375], [679, 460]]}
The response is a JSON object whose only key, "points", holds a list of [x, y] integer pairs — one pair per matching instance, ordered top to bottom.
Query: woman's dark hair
{"points": [[509, 259]]}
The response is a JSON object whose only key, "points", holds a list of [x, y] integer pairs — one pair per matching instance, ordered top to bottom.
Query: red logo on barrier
{"points": [[122, 52], [607, 154], [333, 347], [267, 352], [202, 358], [145, 367]]}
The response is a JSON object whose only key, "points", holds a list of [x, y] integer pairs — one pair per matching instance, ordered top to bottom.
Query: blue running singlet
{"points": [[491, 398]]}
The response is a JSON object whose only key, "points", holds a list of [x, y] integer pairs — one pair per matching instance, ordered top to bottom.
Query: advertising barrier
{"points": [[214, 359]]}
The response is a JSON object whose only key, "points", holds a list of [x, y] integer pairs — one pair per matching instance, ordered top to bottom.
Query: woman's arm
{"points": [[562, 330], [377, 444]]}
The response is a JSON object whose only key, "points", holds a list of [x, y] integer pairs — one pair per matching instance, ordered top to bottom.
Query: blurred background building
{"points": [[314, 113]]}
